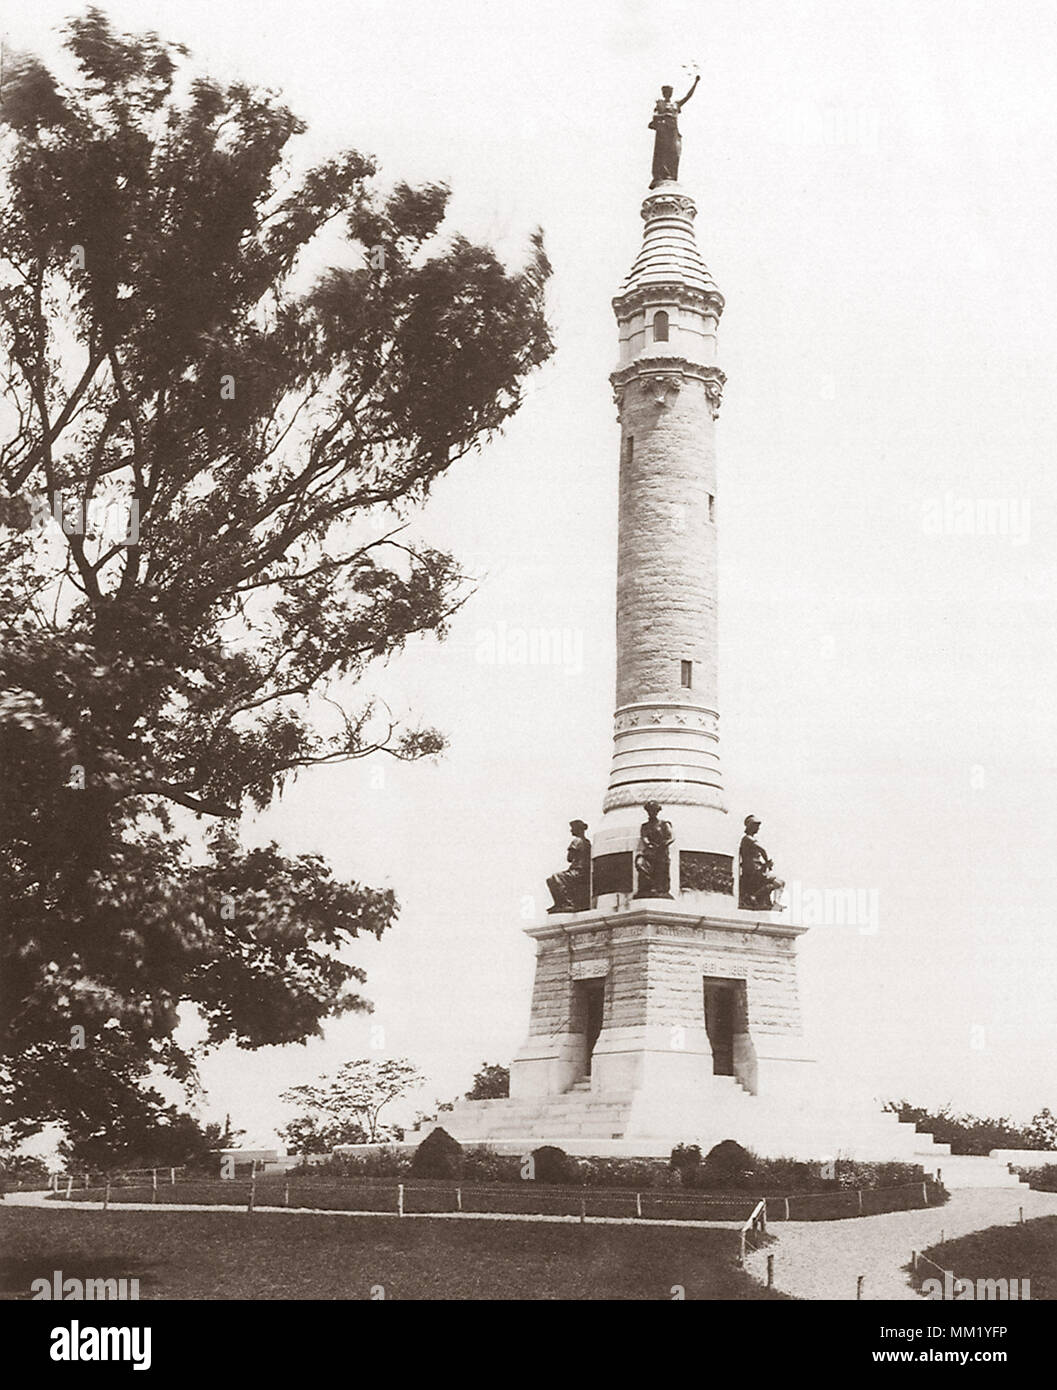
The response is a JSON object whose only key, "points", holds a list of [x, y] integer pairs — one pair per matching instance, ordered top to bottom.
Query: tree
{"points": [[263, 428], [492, 1082], [345, 1108], [1042, 1130], [222, 1136], [22, 1170]]}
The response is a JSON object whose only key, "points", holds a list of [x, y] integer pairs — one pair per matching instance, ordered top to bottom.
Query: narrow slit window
{"points": [[660, 326], [629, 449], [711, 507], [687, 674]]}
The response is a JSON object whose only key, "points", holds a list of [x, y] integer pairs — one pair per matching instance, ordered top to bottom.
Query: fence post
{"points": [[172, 1177], [154, 1184], [69, 1186], [253, 1191], [286, 1193], [925, 1193], [106, 1195], [859, 1195], [400, 1199], [458, 1199], [638, 1203], [787, 1208], [583, 1209], [1022, 1216], [763, 1217], [743, 1244], [913, 1259], [770, 1271], [858, 1285]]}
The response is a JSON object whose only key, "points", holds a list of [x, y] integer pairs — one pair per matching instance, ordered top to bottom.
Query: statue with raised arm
{"points": [[667, 142], [653, 860], [571, 888], [758, 889]]}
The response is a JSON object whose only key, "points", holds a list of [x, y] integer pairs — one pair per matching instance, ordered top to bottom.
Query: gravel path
{"points": [[823, 1259]]}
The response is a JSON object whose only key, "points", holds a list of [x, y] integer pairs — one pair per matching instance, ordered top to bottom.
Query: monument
{"points": [[665, 1007]]}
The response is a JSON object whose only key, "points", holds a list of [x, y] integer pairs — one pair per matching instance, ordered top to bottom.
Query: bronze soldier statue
{"points": [[667, 142], [653, 859], [571, 888], [758, 889]]}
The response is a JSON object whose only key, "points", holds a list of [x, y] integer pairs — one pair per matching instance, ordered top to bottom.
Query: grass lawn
{"points": [[1004, 1252], [195, 1255]]}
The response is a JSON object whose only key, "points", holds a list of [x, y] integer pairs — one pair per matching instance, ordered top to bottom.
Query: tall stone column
{"points": [[668, 387], [663, 1004]]}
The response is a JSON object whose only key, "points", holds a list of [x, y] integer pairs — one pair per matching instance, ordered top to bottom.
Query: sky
{"points": [[876, 196]]}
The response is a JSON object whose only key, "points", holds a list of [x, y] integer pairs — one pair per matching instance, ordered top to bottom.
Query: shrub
{"points": [[438, 1156], [685, 1157], [379, 1163], [485, 1165], [553, 1165], [727, 1165], [633, 1174], [1042, 1179]]}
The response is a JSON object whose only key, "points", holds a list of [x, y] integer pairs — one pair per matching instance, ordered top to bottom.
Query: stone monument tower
{"points": [[665, 1004]]}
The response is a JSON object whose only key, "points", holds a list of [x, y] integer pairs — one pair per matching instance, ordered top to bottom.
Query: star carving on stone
{"points": [[656, 717], [680, 718], [633, 719]]}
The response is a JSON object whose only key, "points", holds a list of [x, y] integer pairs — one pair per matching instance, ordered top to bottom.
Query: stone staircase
{"points": [[575, 1114], [814, 1128], [969, 1170]]}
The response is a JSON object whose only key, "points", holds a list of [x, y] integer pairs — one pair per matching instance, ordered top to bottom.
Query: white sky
{"points": [[877, 196]]}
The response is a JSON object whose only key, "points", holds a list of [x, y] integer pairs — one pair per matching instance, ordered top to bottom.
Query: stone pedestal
{"points": [[698, 999]]}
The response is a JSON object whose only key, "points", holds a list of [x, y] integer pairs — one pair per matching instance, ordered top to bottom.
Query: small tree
{"points": [[492, 1082], [349, 1103], [1042, 1131]]}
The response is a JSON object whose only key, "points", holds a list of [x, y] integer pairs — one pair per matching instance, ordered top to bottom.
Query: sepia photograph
{"points": [[528, 592]]}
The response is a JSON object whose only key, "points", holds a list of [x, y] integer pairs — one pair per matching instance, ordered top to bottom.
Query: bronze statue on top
{"points": [[667, 142], [653, 859], [571, 888], [758, 889]]}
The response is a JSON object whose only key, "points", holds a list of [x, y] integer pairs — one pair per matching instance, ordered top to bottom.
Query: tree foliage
{"points": [[263, 427], [491, 1082], [346, 1108]]}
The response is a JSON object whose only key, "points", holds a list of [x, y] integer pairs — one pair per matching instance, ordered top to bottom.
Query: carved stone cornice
{"points": [[667, 204], [664, 292], [659, 378], [635, 922]]}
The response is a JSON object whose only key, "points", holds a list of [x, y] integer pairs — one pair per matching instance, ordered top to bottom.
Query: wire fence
{"points": [[169, 1186], [415, 1197]]}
